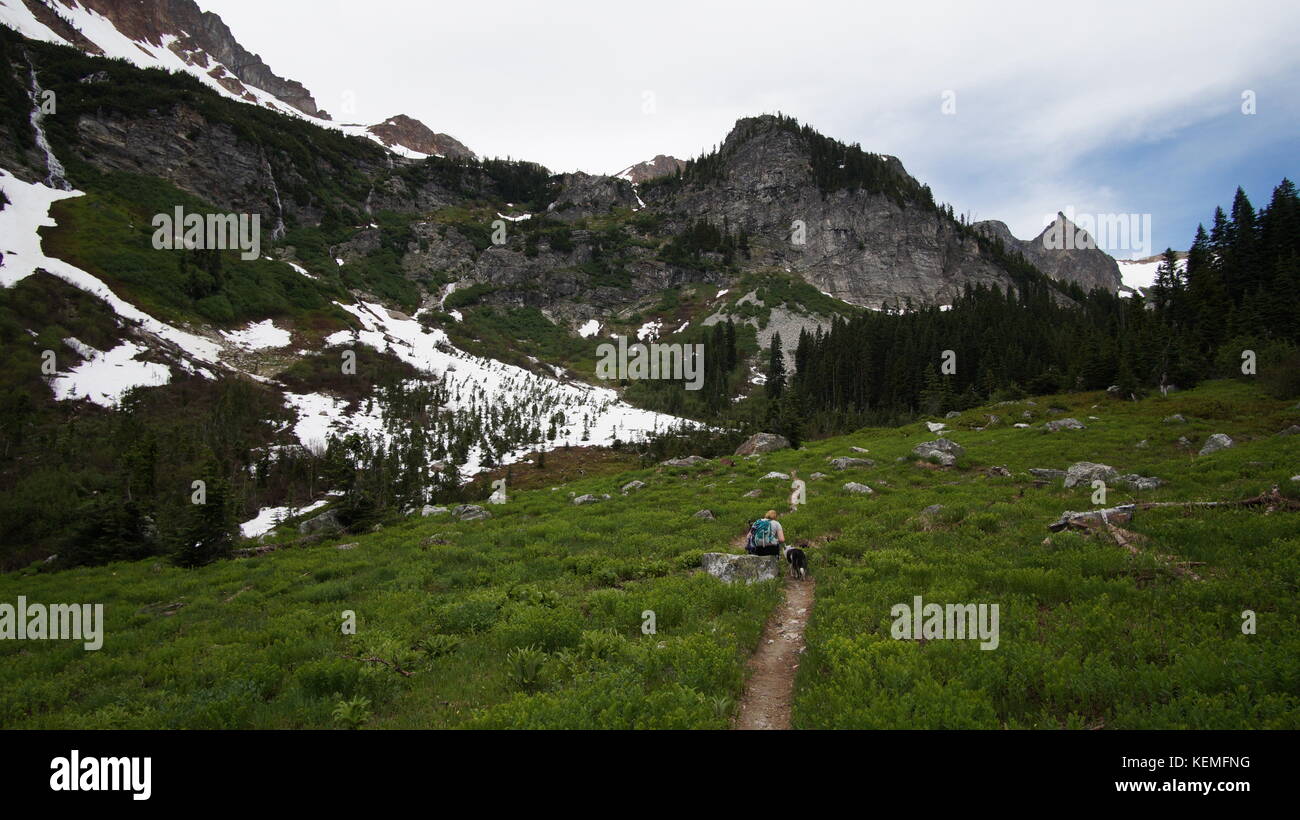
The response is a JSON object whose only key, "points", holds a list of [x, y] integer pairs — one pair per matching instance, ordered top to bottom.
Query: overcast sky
{"points": [[1108, 107]]}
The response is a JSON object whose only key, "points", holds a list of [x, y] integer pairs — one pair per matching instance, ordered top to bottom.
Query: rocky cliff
{"points": [[416, 136], [1089, 267]]}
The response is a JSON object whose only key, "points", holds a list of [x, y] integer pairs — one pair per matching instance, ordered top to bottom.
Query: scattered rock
{"points": [[952, 414], [1028, 414], [1176, 418], [993, 419], [1064, 424], [1020, 425], [934, 426], [1291, 431], [1184, 442], [762, 443], [1215, 443], [1142, 445], [859, 449], [944, 451], [689, 461], [851, 463], [998, 470], [1086, 472], [1046, 474], [774, 475], [817, 476], [1140, 482], [631, 486], [860, 489], [753, 494], [586, 499], [432, 510], [932, 510], [470, 512], [706, 515], [327, 521], [350, 546], [731, 568]]}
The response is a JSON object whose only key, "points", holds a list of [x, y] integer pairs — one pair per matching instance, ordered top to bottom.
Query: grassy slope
{"points": [[1090, 636]]}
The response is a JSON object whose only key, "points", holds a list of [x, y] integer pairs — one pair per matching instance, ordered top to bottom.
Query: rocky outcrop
{"points": [[416, 136], [660, 166], [1078, 261], [747, 568]]}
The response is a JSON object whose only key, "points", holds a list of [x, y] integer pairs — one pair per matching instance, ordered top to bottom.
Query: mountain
{"points": [[176, 35], [415, 136], [660, 166], [1080, 261]]}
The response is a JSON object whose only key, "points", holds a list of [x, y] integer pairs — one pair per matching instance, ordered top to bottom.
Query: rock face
{"points": [[416, 136], [660, 166], [1078, 261], [1064, 424], [1217, 442], [762, 443], [942, 451], [1086, 472], [326, 522], [748, 568]]}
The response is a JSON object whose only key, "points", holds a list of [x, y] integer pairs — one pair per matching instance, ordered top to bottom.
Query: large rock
{"points": [[1064, 424], [934, 426], [762, 443], [1215, 443], [944, 451], [689, 461], [847, 463], [1086, 472], [632, 486], [858, 489], [429, 510], [470, 512], [326, 522], [748, 568]]}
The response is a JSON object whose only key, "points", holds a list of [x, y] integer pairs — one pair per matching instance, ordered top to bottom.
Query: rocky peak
{"points": [[415, 136], [660, 166], [1076, 260]]}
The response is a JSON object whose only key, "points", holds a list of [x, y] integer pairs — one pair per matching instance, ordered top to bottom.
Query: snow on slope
{"points": [[101, 31], [1140, 274], [258, 336], [105, 377]]}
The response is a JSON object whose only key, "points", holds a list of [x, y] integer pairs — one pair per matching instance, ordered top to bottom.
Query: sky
{"points": [[1010, 110]]}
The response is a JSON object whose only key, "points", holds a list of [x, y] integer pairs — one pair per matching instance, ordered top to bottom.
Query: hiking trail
{"points": [[769, 692]]}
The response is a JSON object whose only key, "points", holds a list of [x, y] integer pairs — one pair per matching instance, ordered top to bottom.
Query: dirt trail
{"points": [[770, 690]]}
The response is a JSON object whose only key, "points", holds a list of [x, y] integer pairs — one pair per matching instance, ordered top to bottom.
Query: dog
{"points": [[798, 560]]}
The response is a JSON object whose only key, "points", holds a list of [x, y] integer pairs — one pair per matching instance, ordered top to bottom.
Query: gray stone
{"points": [[952, 414], [1176, 418], [1064, 424], [934, 426], [1291, 431], [762, 443], [1215, 443], [859, 449], [944, 451], [688, 461], [851, 463], [998, 470], [1086, 472], [1046, 474], [775, 476], [817, 476], [1140, 482], [632, 486], [859, 489], [753, 494], [586, 499], [431, 510], [932, 510], [470, 512], [706, 515], [326, 522], [350, 546], [731, 568]]}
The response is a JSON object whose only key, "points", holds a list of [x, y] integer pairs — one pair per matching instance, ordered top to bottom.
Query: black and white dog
{"points": [[798, 560]]}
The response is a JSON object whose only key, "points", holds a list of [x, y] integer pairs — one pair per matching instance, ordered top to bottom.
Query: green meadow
{"points": [[537, 617]]}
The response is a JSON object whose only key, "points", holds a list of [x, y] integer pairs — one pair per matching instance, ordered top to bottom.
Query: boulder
{"points": [[1176, 418], [1064, 424], [934, 426], [762, 443], [1215, 443], [944, 451], [689, 461], [847, 463], [1086, 472], [1046, 474], [775, 476], [1141, 482], [632, 486], [859, 489], [586, 499], [429, 510], [469, 512], [706, 515], [327, 521], [731, 568]]}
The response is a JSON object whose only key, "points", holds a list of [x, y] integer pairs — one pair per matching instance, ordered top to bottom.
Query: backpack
{"points": [[762, 534]]}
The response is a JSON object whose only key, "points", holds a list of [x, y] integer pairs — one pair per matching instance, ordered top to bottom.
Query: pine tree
{"points": [[775, 369]]}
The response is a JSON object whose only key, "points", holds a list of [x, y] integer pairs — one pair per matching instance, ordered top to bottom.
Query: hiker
{"points": [[766, 537]]}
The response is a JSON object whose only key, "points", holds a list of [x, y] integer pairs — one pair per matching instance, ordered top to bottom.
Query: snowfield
{"points": [[258, 336]]}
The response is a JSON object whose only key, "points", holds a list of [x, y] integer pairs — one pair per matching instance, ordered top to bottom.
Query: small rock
{"points": [[952, 414], [1028, 414], [1176, 418], [1064, 424], [1020, 425], [934, 426], [1291, 431], [1215, 443], [1142, 445], [859, 449], [944, 451], [689, 461], [851, 463], [998, 470], [1046, 474], [774, 475], [817, 476], [1139, 482], [632, 486], [860, 489], [753, 494], [586, 499], [933, 509], [432, 510], [470, 512], [706, 515], [1119, 516], [327, 521], [351, 546]]}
